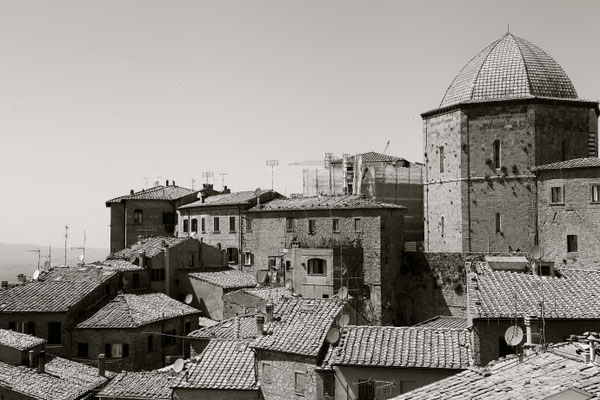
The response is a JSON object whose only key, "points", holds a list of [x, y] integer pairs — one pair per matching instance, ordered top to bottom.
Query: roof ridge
{"points": [[514, 38], [493, 46]]}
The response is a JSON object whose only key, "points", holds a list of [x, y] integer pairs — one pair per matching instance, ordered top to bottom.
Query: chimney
{"points": [[167, 183], [173, 184], [131, 191], [269, 310], [260, 325], [531, 331], [592, 342], [42, 361], [31, 365], [101, 365]]}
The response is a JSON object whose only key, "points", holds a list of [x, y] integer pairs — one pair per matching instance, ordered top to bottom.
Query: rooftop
{"points": [[509, 68], [371, 156], [577, 163], [168, 193], [232, 199], [345, 202], [150, 246], [120, 265], [226, 278], [56, 290], [273, 293], [573, 294], [132, 310], [444, 321], [239, 327], [19, 341], [402, 347], [224, 364], [537, 376], [140, 385]]}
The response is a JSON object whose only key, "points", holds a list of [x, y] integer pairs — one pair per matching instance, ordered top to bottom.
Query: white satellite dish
{"points": [[257, 192], [536, 252], [80, 258], [132, 258], [46, 264], [36, 275], [288, 283], [343, 292], [188, 299], [263, 309], [344, 320], [333, 335], [513, 335], [178, 365]]}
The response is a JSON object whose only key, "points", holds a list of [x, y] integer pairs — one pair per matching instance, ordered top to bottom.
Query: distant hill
{"points": [[15, 259]]}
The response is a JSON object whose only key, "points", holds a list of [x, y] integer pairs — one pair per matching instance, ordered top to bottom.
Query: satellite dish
{"points": [[257, 192], [536, 252], [80, 258], [132, 258], [46, 264], [36, 274], [289, 284], [343, 292], [188, 299], [263, 309], [344, 320], [333, 335], [513, 335], [178, 365]]}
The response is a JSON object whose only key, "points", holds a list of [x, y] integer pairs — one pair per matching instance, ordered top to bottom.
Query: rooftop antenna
{"points": [[387, 147], [272, 164], [207, 175], [145, 178], [223, 180], [193, 183], [66, 237], [82, 248], [38, 251]]}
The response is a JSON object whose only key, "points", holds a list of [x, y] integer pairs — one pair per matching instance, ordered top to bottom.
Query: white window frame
{"points": [[116, 350]]}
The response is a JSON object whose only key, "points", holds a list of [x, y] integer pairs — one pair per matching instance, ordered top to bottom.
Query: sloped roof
{"points": [[510, 67], [371, 156], [577, 163], [156, 193], [232, 199], [346, 202], [150, 246], [121, 265], [226, 278], [55, 291], [272, 293], [502, 294], [132, 310], [444, 321], [205, 322], [300, 326], [238, 327], [19, 341], [402, 347], [224, 364], [537, 376], [140, 385]]}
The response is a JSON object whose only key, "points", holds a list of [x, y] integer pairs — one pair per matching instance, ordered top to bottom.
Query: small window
{"points": [[497, 154], [441, 159], [595, 193], [556, 195], [138, 217], [203, 221], [498, 223], [216, 224], [231, 224], [289, 224], [194, 225], [248, 225], [335, 225], [357, 225], [442, 225], [186, 226], [311, 226], [572, 243], [232, 255], [248, 258], [191, 260], [273, 262], [317, 266], [325, 296], [12, 326], [187, 327], [31, 328], [54, 333], [150, 344], [82, 350], [116, 350], [266, 372], [299, 382], [328, 384], [366, 390]]}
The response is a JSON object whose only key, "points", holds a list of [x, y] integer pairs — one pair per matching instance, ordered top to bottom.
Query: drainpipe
{"points": [[125, 224], [241, 238], [167, 266]]}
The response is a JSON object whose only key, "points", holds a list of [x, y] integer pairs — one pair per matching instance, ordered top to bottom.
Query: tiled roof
{"points": [[510, 67], [371, 156], [587, 162], [156, 193], [232, 199], [346, 202], [150, 246], [121, 265], [226, 278], [55, 291], [272, 293], [573, 294], [132, 310], [444, 321], [204, 322], [300, 326], [239, 327], [19, 341], [403, 347], [224, 364], [537, 376], [62, 380], [140, 385]]}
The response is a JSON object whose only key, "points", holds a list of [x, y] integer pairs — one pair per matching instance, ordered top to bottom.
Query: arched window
{"points": [[497, 154], [441, 159], [194, 225], [186, 226], [317, 266]]}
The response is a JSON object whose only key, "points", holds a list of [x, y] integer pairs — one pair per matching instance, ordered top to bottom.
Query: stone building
{"points": [[512, 107], [320, 244], [150, 385]]}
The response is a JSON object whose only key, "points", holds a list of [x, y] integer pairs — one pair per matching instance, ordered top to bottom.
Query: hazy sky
{"points": [[97, 95]]}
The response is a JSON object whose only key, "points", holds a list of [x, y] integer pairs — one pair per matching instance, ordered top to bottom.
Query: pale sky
{"points": [[97, 95]]}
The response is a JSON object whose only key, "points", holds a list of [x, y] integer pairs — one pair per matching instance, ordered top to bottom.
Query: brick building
{"points": [[510, 108], [149, 212], [307, 240], [136, 331]]}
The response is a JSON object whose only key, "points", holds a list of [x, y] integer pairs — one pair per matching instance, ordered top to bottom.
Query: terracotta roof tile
{"points": [[371, 156], [588, 162], [156, 193], [232, 199], [345, 202], [150, 246], [120, 265], [226, 278], [272, 293], [444, 321], [205, 322], [239, 327], [19, 341], [140, 385]]}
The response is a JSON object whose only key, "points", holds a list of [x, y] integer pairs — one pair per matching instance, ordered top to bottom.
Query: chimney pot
{"points": [[167, 182], [173, 184], [131, 191], [269, 309], [260, 325], [30, 354], [42, 364], [101, 365]]}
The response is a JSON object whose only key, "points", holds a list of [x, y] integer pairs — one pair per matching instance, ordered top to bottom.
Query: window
{"points": [[497, 151], [441, 159], [595, 193], [556, 195], [138, 217], [498, 223], [216, 224], [231, 224], [289, 224], [194, 225], [203, 225], [248, 225], [335, 225], [357, 225], [442, 225], [186, 226], [311, 226], [572, 243], [232, 255], [248, 258], [191, 260], [273, 262], [317, 266], [157, 274], [136, 279], [12, 326], [187, 327], [31, 328], [54, 333], [170, 338], [150, 344], [82, 350], [119, 350], [266, 372], [299, 382], [328, 384], [366, 390]]}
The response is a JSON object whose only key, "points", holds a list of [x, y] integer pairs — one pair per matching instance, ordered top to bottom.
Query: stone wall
{"points": [[284, 367]]}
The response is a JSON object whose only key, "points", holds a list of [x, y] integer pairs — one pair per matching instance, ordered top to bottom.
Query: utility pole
{"points": [[272, 164], [66, 237], [81, 248], [38, 251]]}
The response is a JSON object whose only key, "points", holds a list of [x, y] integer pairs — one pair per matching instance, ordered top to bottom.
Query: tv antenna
{"points": [[272, 164], [207, 175], [223, 180], [193, 183], [66, 237], [82, 248], [38, 251]]}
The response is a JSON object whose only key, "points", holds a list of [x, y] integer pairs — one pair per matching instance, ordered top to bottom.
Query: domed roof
{"points": [[510, 67]]}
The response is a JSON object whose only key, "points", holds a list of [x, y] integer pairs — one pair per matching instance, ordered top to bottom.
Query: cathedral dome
{"points": [[509, 68]]}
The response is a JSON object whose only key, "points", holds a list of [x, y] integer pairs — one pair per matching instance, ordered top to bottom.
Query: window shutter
{"points": [[243, 258], [251, 258], [31, 328], [107, 350], [125, 350]]}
